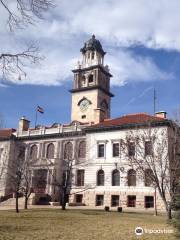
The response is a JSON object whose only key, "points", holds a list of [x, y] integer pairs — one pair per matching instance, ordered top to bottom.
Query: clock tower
{"points": [[91, 96]]}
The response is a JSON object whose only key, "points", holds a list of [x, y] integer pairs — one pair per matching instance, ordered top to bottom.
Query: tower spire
{"points": [[91, 94]]}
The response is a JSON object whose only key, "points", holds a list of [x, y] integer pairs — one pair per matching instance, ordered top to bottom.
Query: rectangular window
{"points": [[148, 148], [115, 149], [131, 149], [101, 150], [80, 177], [79, 198], [99, 200], [114, 201], [131, 201], [149, 202]]}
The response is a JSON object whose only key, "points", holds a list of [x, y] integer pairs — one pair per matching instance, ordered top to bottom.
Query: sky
{"points": [[142, 41]]}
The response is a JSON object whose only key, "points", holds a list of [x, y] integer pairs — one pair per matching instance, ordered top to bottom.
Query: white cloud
{"points": [[116, 23], [127, 67]]}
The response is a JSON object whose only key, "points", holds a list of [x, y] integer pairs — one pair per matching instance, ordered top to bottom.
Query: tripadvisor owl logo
{"points": [[139, 231]]}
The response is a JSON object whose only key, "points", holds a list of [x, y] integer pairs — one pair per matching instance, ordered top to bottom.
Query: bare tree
{"points": [[24, 12], [21, 13], [14, 63], [155, 158], [3, 163], [15, 172], [19, 174], [64, 176], [26, 185]]}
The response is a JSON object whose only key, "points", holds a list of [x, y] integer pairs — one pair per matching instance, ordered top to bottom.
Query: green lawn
{"points": [[53, 224]]}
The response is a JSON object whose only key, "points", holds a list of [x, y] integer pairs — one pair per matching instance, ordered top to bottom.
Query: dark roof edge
{"points": [[91, 67], [91, 88], [126, 126], [12, 137]]}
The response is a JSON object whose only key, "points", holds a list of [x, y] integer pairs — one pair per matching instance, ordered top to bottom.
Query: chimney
{"points": [[161, 114], [23, 124]]}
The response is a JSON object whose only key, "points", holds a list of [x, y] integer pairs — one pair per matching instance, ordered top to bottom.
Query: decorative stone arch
{"points": [[75, 122], [55, 125], [82, 149], [50, 151], [68, 151], [33, 152]]}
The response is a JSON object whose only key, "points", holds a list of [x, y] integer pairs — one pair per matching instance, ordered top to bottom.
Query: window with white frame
{"points": [[148, 148], [115, 149], [131, 149], [101, 150], [80, 177], [100, 178], [115, 178], [99, 200], [114, 200]]}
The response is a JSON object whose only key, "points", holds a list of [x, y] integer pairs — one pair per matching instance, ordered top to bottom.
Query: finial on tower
{"points": [[93, 45]]}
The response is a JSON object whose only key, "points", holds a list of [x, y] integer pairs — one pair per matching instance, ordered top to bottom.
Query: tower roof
{"points": [[93, 45]]}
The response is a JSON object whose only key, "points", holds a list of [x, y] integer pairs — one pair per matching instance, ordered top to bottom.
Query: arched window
{"points": [[92, 55], [90, 78], [83, 81], [82, 149], [50, 151], [68, 151], [33, 152], [21, 153], [131, 177], [148, 177], [100, 178], [115, 178]]}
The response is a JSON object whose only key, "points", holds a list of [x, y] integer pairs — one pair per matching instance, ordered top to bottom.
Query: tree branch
{"points": [[26, 11], [13, 63]]}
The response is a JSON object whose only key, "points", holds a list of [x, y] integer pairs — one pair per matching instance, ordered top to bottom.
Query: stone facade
{"points": [[91, 97], [45, 147], [108, 163]]}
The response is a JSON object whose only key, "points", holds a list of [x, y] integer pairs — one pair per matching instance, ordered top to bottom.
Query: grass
{"points": [[55, 224]]}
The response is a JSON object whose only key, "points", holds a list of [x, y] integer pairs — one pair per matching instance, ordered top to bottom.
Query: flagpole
{"points": [[154, 100], [36, 119]]}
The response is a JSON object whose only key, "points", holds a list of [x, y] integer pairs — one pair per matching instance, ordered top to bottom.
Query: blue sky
{"points": [[142, 42]]}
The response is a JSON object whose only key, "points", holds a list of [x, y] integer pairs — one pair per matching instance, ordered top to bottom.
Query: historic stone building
{"points": [[101, 173]]}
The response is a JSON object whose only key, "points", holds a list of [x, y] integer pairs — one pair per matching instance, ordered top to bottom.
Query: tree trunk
{"points": [[26, 202], [63, 202], [17, 203], [155, 203], [63, 206], [168, 209], [169, 213]]}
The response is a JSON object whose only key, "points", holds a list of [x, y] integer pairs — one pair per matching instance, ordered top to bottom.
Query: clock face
{"points": [[84, 105]]}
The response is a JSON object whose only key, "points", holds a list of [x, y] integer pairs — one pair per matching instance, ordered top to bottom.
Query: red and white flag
{"points": [[40, 109]]}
